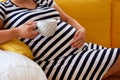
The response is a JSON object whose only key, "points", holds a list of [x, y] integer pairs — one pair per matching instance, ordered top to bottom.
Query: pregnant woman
{"points": [[63, 56]]}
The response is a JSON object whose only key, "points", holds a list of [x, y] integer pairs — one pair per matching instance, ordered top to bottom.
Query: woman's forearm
{"points": [[74, 23], [26, 30], [8, 34]]}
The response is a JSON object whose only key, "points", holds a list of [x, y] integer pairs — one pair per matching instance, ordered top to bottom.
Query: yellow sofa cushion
{"points": [[2, 0], [94, 15], [115, 30], [17, 46]]}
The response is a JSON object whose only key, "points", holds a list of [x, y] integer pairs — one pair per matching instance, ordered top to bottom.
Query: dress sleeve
{"points": [[50, 3], [2, 13]]}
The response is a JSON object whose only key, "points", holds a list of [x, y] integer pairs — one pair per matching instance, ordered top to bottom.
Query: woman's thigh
{"points": [[88, 64], [114, 70]]}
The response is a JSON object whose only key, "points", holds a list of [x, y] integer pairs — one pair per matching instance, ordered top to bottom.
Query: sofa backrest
{"points": [[94, 15], [115, 27]]}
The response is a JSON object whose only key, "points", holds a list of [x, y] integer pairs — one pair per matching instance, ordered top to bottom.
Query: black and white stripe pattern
{"points": [[14, 16], [57, 45], [54, 54], [88, 64]]}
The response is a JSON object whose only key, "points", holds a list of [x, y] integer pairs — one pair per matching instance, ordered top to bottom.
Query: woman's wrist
{"points": [[82, 30], [15, 32]]}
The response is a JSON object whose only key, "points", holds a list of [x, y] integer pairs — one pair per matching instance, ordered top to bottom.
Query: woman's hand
{"points": [[27, 30], [78, 39]]}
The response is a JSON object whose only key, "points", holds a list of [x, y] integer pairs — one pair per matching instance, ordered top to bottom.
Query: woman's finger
{"points": [[76, 38], [78, 44]]}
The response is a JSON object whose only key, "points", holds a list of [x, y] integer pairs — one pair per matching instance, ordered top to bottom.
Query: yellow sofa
{"points": [[101, 18]]}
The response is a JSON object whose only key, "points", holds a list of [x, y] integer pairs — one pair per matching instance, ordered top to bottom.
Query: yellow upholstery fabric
{"points": [[2, 0], [94, 15], [115, 30], [17, 46]]}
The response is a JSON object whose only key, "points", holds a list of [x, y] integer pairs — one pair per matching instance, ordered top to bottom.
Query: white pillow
{"points": [[18, 67]]}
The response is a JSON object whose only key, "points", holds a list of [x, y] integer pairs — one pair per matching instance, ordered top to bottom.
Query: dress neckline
{"points": [[25, 7]]}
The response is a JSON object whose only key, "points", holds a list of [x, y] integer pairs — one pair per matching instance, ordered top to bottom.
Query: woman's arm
{"points": [[67, 18], [26, 30], [6, 35], [79, 37]]}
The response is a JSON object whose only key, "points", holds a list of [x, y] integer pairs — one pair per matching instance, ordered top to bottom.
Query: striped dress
{"points": [[54, 54]]}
